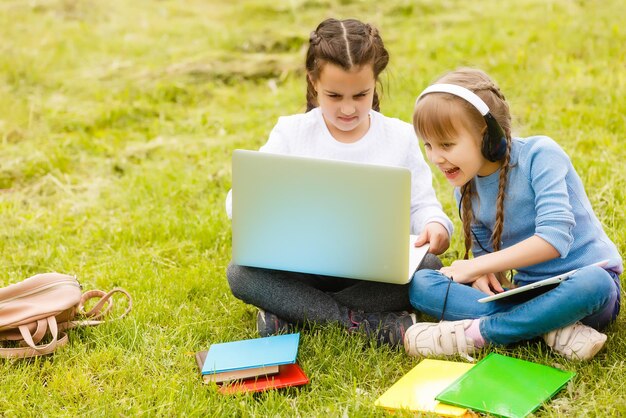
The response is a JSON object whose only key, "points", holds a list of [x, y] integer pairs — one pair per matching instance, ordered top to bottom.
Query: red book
{"points": [[288, 375]]}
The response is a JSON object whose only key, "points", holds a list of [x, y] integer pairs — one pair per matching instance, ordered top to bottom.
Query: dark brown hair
{"points": [[348, 44], [441, 115]]}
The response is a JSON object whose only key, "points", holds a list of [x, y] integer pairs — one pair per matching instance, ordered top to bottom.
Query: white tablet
{"points": [[555, 280]]}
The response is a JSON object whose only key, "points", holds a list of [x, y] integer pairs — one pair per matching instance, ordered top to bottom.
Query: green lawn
{"points": [[117, 122]]}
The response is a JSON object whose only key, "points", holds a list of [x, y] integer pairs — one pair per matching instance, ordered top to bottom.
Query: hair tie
{"points": [[314, 38]]}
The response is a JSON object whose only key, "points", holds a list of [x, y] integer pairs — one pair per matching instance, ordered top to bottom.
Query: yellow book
{"points": [[417, 389]]}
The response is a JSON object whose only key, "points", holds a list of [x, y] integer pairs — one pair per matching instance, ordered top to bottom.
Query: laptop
{"points": [[320, 216], [537, 288]]}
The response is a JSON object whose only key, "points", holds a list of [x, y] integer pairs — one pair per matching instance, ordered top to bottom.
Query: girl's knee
{"points": [[431, 262], [232, 272], [235, 274], [423, 279], [594, 281], [423, 284], [605, 285], [592, 286]]}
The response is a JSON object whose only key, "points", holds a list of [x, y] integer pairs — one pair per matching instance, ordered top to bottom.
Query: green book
{"points": [[505, 386]]}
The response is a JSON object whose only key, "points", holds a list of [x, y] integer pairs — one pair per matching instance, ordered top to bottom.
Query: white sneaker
{"points": [[438, 338], [576, 341]]}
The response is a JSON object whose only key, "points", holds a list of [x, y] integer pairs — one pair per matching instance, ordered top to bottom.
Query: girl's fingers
{"points": [[495, 284]]}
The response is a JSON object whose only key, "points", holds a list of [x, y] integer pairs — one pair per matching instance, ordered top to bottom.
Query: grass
{"points": [[117, 122]]}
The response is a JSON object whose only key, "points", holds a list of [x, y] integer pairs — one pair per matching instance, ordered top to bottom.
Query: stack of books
{"points": [[253, 365], [497, 385]]}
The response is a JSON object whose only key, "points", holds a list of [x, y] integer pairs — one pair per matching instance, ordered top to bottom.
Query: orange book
{"points": [[288, 375]]}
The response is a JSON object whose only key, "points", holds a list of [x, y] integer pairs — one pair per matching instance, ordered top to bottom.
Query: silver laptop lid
{"points": [[319, 216]]}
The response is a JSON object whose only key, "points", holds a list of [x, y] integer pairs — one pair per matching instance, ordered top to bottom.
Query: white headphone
{"points": [[459, 91]]}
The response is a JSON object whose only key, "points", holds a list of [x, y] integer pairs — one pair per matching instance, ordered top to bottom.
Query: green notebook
{"points": [[505, 386]]}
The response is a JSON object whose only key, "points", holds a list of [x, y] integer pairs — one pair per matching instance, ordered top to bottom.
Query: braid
{"points": [[372, 31], [375, 40], [490, 87], [495, 90], [311, 94], [376, 102], [468, 216], [496, 236]]}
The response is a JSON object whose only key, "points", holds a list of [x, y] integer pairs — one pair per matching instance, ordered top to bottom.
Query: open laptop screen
{"points": [[320, 216]]}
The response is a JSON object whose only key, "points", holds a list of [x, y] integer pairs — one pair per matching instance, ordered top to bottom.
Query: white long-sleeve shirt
{"points": [[389, 141]]}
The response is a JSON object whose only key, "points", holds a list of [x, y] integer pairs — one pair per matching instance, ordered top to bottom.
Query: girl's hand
{"points": [[435, 234], [461, 271], [488, 284]]}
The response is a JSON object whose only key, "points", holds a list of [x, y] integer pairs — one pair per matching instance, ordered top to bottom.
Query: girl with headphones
{"points": [[523, 208]]}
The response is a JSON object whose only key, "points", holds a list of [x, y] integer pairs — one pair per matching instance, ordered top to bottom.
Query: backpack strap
{"points": [[96, 314], [40, 331], [31, 348]]}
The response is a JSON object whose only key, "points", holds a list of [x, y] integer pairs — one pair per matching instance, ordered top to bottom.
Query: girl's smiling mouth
{"points": [[451, 172]]}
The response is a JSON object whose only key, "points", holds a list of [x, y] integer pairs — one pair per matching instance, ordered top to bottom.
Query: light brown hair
{"points": [[348, 44], [440, 116]]}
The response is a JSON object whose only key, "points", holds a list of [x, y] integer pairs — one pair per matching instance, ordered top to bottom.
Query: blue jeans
{"points": [[591, 295]]}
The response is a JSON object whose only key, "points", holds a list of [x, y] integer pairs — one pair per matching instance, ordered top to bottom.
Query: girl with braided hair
{"points": [[342, 122], [523, 208]]}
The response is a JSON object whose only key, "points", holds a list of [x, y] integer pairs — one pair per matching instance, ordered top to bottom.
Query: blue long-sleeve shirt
{"points": [[544, 197]]}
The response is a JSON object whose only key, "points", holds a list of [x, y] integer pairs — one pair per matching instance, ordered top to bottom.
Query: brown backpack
{"points": [[47, 304]]}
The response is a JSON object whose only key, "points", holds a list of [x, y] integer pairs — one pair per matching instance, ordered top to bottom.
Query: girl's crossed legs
{"points": [[591, 295], [297, 297]]}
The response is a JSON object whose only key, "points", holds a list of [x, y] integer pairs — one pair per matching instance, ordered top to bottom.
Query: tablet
{"points": [[551, 281]]}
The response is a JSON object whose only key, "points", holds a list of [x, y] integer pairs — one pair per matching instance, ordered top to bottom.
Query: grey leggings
{"points": [[300, 297]]}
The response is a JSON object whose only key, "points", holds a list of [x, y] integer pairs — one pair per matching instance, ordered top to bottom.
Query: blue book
{"points": [[249, 358]]}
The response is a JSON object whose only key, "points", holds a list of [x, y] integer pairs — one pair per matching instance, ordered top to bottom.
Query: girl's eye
{"points": [[360, 95], [334, 96], [446, 145], [427, 146]]}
